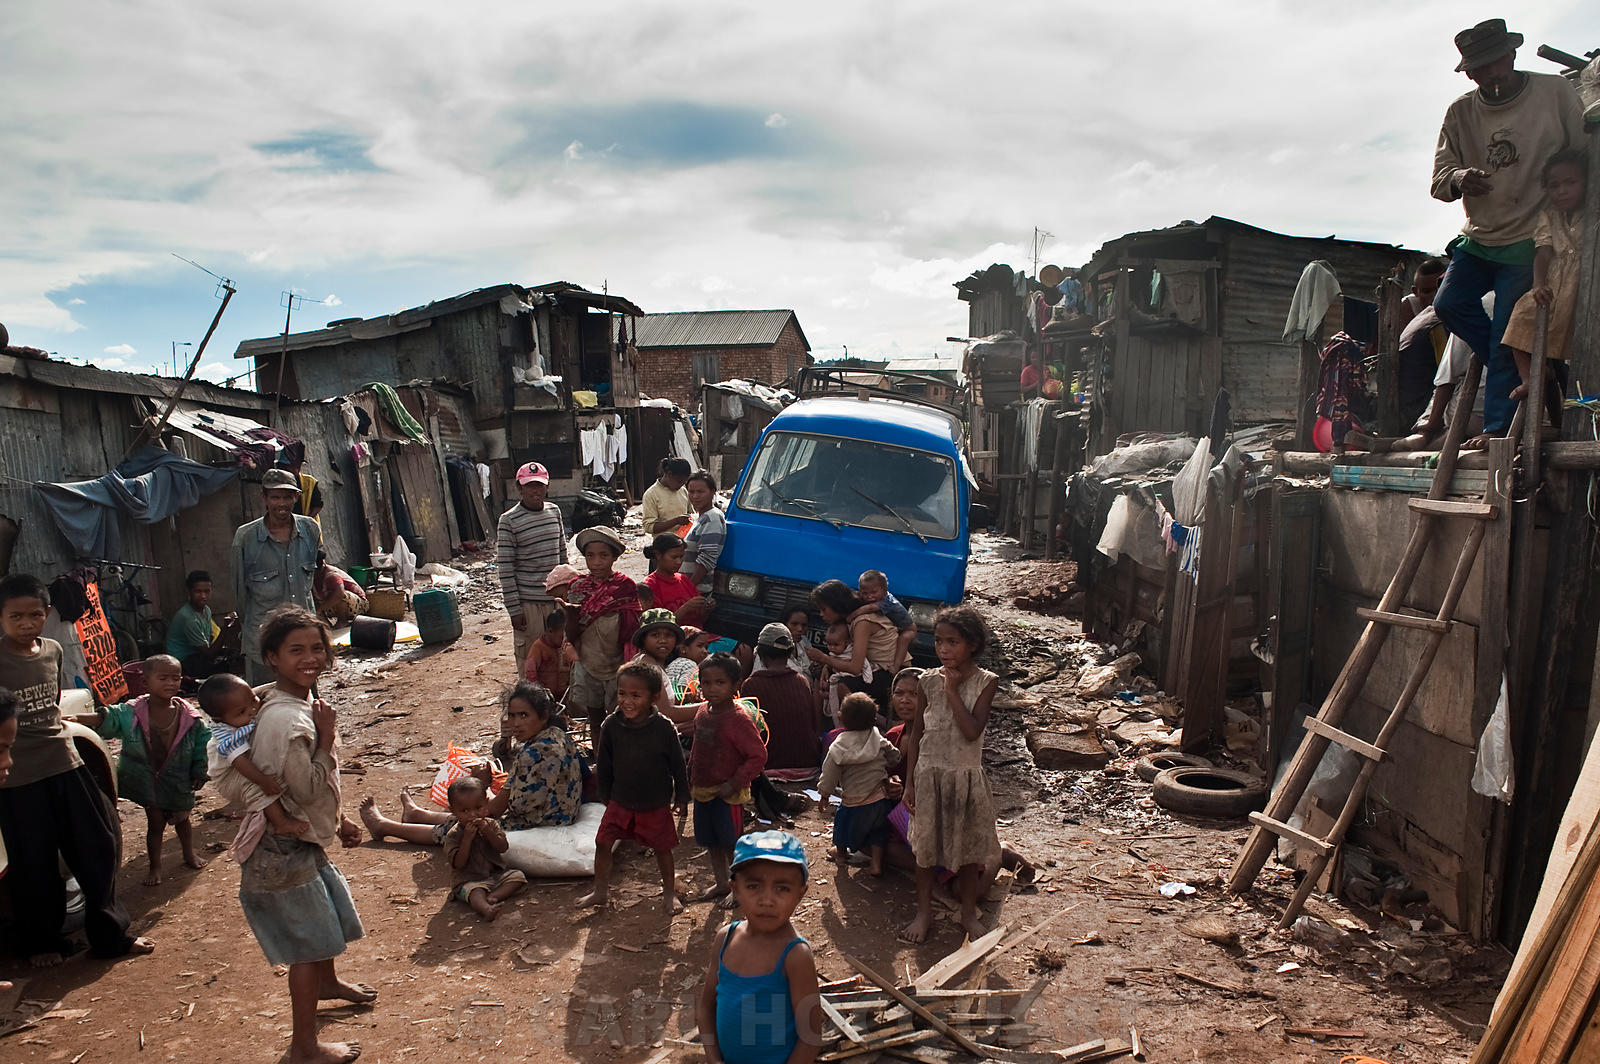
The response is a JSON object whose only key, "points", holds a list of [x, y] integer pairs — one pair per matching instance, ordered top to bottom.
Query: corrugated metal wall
{"points": [[344, 529]]}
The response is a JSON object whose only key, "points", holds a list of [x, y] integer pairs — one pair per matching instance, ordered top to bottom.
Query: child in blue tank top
{"points": [[759, 1003]]}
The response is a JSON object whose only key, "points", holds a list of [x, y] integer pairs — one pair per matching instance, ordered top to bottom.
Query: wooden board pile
{"points": [[1548, 1012], [928, 1020]]}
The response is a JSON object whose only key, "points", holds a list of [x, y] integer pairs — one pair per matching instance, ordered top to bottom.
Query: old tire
{"points": [[1150, 766], [1211, 792]]}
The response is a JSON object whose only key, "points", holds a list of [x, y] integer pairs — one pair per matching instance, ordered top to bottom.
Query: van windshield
{"points": [[845, 481]]}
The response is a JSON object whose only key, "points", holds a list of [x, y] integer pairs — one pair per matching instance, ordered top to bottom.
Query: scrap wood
{"points": [[1030, 932], [954, 963], [1216, 984], [1025, 1002], [915, 1006], [846, 1028], [1325, 1032], [898, 1040], [1136, 1047]]}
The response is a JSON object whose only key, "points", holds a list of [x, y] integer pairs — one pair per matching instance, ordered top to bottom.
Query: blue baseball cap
{"points": [[777, 846]]}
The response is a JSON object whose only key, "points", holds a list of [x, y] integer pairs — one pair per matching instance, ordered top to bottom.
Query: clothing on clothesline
{"points": [[1313, 295], [1342, 379], [152, 485]]}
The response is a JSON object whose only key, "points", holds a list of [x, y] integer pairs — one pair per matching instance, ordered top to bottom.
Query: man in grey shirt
{"points": [[531, 541], [274, 561]]}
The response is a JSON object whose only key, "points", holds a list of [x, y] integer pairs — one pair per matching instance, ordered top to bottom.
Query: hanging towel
{"points": [[1313, 295], [393, 409]]}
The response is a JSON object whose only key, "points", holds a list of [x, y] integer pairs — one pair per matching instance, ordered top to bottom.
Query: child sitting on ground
{"points": [[1558, 245], [873, 589], [840, 646], [551, 657], [231, 703], [726, 757], [163, 759], [858, 766], [641, 777], [474, 847], [760, 1001]]}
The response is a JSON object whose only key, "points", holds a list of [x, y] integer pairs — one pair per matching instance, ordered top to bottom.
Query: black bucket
{"points": [[372, 633]]}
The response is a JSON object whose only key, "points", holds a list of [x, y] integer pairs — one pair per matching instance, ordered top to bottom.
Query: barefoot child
{"points": [[1558, 245], [602, 613], [551, 657], [232, 705], [726, 757], [163, 759], [857, 765], [642, 780], [51, 808], [952, 812], [474, 848], [297, 903], [760, 1003]]}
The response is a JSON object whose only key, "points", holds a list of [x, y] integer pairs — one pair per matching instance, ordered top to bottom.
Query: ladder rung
{"points": [[1481, 511], [1404, 620], [1345, 739], [1278, 827]]}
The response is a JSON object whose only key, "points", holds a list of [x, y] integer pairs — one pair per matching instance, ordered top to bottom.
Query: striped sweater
{"points": [[531, 543]]}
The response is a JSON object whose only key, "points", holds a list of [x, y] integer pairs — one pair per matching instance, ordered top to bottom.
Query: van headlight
{"points": [[742, 586], [923, 613]]}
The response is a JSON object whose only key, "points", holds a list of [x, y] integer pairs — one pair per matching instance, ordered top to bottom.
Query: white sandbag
{"points": [[444, 576], [556, 852]]}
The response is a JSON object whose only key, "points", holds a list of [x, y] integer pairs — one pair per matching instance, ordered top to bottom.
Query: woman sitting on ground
{"points": [[873, 638]]}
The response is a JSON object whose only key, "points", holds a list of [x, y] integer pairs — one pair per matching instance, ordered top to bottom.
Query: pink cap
{"points": [[533, 473]]}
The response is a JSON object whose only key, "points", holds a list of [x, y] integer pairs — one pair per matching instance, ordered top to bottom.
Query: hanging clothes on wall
{"points": [[1342, 379]]}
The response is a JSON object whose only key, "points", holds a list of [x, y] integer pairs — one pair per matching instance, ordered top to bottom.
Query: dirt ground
{"points": [[548, 982]]}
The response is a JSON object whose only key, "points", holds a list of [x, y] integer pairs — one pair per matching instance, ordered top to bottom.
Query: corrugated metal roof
{"points": [[716, 328], [59, 374]]}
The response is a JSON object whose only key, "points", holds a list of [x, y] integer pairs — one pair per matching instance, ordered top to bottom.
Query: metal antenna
{"points": [[1039, 238], [290, 301]]}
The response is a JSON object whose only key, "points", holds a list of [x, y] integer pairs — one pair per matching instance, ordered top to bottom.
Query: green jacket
{"points": [[169, 786]]}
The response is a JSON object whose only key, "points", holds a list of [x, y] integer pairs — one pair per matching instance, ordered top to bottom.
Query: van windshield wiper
{"points": [[810, 507], [892, 512]]}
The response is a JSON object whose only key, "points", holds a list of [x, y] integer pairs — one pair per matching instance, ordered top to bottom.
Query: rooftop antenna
{"points": [[1039, 238], [226, 288], [289, 301]]}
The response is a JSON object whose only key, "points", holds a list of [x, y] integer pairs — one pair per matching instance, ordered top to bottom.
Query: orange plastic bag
{"points": [[458, 763]]}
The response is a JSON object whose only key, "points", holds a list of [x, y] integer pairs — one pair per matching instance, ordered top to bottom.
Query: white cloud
{"points": [[892, 179], [333, 300], [120, 349], [111, 363]]}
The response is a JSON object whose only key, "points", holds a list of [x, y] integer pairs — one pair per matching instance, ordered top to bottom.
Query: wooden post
{"points": [[1391, 291], [1305, 411], [1058, 463], [1561, 637], [1205, 673], [1482, 904]]}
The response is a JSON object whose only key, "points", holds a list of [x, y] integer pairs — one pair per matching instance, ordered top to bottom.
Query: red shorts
{"points": [[651, 828]]}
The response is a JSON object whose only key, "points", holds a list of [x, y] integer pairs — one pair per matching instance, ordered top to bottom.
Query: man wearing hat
{"points": [[1492, 148], [532, 541], [274, 561]]}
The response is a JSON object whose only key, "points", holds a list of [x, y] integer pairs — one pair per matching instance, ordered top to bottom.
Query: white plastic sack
{"points": [[1139, 457], [1189, 487], [444, 576], [1495, 774], [557, 852]]}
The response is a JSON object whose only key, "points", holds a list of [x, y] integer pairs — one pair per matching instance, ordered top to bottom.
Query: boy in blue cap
{"points": [[759, 1003]]}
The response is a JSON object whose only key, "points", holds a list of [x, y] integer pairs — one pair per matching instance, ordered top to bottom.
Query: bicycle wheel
{"points": [[127, 647]]}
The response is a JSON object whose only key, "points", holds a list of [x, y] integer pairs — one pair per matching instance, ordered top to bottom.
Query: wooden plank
{"points": [[1397, 478], [1442, 508], [1404, 620], [1204, 687], [1346, 740], [1488, 821], [1279, 828], [955, 963], [1561, 1002], [915, 1006], [846, 1028], [898, 1040]]}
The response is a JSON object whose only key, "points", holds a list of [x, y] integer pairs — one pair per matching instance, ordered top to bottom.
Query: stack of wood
{"points": [[1548, 1012], [870, 1016]]}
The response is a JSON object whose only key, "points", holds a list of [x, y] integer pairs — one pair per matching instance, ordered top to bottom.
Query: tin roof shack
{"points": [[1183, 311], [682, 351], [541, 364], [943, 383], [62, 423]]}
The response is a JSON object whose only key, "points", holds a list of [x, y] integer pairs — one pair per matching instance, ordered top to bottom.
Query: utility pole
{"points": [[1039, 238], [289, 302], [175, 345]]}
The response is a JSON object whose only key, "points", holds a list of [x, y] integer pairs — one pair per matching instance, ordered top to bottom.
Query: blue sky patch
{"points": [[668, 133], [333, 150]]}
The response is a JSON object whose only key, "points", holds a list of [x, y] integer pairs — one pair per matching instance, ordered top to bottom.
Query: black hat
{"points": [[1484, 43]]}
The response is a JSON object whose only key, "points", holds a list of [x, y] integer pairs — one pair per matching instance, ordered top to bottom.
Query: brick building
{"points": [[681, 351]]}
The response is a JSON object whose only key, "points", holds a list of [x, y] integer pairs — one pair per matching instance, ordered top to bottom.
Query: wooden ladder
{"points": [[1324, 728]]}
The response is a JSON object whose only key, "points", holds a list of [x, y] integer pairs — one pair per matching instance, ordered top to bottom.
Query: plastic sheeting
{"points": [[152, 485]]}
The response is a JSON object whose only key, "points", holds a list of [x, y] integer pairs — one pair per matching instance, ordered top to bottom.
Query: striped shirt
{"points": [[531, 543], [703, 545]]}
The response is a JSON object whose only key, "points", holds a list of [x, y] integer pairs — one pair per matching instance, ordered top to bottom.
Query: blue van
{"points": [[838, 485]]}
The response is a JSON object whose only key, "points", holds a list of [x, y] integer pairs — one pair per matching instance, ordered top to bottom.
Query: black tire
{"points": [[1150, 766], [1209, 792]]}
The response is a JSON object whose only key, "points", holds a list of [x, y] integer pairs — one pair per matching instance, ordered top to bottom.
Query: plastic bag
{"points": [[405, 563], [444, 576], [458, 764], [1495, 774]]}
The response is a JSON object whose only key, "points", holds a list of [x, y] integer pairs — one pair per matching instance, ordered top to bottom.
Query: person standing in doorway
{"points": [[1491, 147], [531, 541], [274, 561]]}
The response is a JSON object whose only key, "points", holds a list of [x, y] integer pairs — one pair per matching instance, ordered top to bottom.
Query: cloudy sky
{"points": [[848, 160]]}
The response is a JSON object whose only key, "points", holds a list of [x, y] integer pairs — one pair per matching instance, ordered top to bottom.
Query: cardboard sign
{"points": [[100, 651]]}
